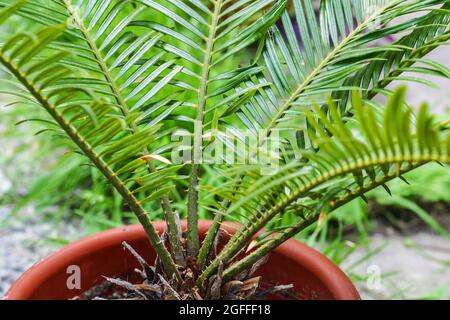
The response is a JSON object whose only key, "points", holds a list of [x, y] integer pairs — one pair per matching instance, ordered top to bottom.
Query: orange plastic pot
{"points": [[102, 254]]}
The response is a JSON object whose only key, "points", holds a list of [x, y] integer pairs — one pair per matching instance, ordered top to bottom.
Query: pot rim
{"points": [[339, 285]]}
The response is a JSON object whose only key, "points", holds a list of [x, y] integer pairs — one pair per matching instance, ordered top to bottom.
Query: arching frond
{"points": [[430, 32], [333, 50], [308, 58], [126, 68], [97, 127], [357, 157]]}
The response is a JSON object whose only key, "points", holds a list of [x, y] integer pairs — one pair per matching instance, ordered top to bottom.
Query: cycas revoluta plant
{"points": [[121, 78]]}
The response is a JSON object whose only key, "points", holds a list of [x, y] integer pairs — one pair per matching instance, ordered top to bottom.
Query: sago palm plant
{"points": [[275, 96]]}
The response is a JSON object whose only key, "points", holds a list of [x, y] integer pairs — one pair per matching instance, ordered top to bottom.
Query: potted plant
{"points": [[154, 93]]}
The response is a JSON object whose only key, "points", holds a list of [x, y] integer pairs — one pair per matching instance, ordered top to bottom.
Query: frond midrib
{"points": [[418, 53], [99, 59], [322, 65], [115, 89], [293, 97], [128, 196], [295, 229], [244, 234], [193, 241]]}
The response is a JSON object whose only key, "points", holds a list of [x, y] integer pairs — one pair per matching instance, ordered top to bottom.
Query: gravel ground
{"points": [[25, 242], [414, 266]]}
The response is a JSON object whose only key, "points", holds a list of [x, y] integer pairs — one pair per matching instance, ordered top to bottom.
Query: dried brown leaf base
{"points": [[156, 285]]}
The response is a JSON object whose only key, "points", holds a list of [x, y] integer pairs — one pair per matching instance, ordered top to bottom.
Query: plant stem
{"points": [[165, 201], [141, 214], [210, 236], [193, 241]]}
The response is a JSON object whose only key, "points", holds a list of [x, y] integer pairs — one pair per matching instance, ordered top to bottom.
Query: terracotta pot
{"points": [[102, 254]]}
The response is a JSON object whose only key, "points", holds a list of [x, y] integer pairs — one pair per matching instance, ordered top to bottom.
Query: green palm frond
{"points": [[10, 10], [431, 31], [214, 32], [332, 50], [308, 58], [115, 61], [118, 63], [127, 69], [133, 71], [96, 126], [356, 158]]}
